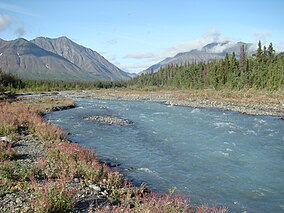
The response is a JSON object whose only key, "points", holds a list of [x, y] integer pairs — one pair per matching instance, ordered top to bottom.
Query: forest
{"points": [[263, 70], [12, 83]]}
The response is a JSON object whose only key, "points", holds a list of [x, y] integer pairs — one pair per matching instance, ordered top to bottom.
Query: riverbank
{"points": [[246, 102], [41, 171]]}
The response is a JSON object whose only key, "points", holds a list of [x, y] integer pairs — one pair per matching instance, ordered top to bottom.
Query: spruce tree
{"points": [[270, 51], [259, 53], [242, 65]]}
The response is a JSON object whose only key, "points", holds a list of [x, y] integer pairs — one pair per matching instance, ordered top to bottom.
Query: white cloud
{"points": [[5, 21], [20, 32], [212, 35], [261, 35], [221, 47], [279, 47], [133, 68]]}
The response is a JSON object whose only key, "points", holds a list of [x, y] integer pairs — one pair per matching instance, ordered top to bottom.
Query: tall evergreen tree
{"points": [[270, 51], [259, 53], [242, 65], [258, 72]]}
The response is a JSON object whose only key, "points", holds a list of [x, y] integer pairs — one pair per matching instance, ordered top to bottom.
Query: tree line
{"points": [[263, 70], [9, 82], [12, 83], [57, 85]]}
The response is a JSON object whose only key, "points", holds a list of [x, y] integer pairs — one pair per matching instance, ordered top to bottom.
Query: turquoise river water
{"points": [[214, 156]]}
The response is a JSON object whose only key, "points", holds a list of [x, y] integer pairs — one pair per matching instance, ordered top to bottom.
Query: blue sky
{"points": [[134, 34]]}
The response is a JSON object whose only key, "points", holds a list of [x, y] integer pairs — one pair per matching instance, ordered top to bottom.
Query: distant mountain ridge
{"points": [[210, 52], [56, 59]]}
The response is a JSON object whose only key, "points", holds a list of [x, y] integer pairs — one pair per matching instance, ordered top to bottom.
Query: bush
{"points": [[9, 81], [6, 151], [52, 196]]}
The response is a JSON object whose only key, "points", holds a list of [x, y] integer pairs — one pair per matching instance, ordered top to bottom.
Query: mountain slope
{"points": [[210, 52], [85, 58], [30, 61], [66, 61]]}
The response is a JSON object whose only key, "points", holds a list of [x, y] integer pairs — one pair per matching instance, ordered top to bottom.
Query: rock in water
{"points": [[109, 119]]}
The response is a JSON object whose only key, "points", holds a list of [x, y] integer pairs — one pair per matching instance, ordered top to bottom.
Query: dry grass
{"points": [[242, 96], [249, 96], [46, 104], [16, 117], [6, 151], [52, 196], [153, 202]]}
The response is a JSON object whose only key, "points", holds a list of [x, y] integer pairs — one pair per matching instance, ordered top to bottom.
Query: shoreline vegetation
{"points": [[252, 102], [41, 171]]}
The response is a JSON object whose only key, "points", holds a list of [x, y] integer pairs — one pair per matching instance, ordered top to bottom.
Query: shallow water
{"points": [[217, 157]]}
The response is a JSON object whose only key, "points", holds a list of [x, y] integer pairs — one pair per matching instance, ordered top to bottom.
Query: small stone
{"points": [[3, 138], [95, 187], [104, 193], [18, 201], [27, 209]]}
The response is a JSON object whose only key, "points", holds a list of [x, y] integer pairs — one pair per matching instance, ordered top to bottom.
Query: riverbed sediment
{"points": [[261, 105]]}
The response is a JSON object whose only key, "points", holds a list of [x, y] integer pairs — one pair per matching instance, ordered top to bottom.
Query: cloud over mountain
{"points": [[5, 21]]}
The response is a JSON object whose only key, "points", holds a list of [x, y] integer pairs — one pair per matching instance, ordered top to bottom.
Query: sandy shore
{"points": [[258, 105]]}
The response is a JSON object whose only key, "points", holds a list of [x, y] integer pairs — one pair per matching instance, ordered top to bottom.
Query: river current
{"points": [[214, 156]]}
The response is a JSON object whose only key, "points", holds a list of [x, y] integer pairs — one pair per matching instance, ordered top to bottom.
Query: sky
{"points": [[135, 34]]}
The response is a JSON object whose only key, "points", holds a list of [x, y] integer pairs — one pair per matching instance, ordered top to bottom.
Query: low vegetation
{"points": [[9, 81], [6, 151], [51, 179]]}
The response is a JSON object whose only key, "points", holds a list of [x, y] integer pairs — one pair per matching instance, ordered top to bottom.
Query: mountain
{"points": [[210, 52], [85, 58], [60, 59], [32, 62], [131, 75]]}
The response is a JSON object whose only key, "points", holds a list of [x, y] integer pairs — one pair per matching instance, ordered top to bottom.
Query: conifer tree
{"points": [[270, 51], [259, 53], [242, 65]]}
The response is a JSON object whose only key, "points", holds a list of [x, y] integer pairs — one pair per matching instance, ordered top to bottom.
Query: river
{"points": [[214, 156]]}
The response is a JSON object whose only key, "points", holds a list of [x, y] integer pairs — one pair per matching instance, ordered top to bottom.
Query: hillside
{"points": [[210, 52], [56, 59], [264, 70]]}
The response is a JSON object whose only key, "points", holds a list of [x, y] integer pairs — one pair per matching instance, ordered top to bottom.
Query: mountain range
{"points": [[210, 52], [56, 59], [63, 59]]}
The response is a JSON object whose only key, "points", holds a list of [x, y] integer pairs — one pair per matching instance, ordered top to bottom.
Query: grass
{"points": [[234, 96], [249, 96], [47, 104], [16, 116], [6, 151], [11, 170], [51, 179], [52, 196], [153, 202]]}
